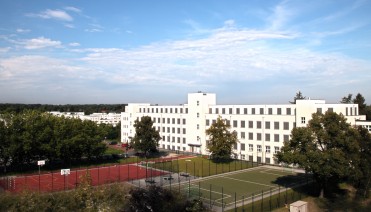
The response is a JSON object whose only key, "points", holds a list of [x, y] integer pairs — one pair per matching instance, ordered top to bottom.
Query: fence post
{"points": [[210, 196], [270, 199], [222, 200], [235, 201], [243, 203], [252, 203], [262, 204]]}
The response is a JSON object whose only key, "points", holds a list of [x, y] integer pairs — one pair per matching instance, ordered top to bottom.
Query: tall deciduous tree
{"points": [[146, 136], [221, 140], [327, 147]]}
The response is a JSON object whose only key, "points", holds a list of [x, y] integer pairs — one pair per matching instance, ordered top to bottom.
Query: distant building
{"points": [[99, 118], [261, 129]]}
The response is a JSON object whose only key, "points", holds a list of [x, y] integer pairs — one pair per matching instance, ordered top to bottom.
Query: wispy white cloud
{"points": [[73, 9], [54, 14], [280, 16], [20, 30], [40, 42], [74, 44]]}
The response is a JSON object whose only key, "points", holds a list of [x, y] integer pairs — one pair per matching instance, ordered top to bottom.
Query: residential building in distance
{"points": [[99, 118], [261, 129]]}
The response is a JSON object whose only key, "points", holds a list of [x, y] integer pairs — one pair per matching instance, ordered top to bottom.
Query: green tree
{"points": [[298, 95], [347, 99], [360, 100], [146, 136], [221, 140], [327, 147], [362, 174]]}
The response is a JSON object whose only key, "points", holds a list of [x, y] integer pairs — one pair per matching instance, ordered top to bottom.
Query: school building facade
{"points": [[261, 129]]}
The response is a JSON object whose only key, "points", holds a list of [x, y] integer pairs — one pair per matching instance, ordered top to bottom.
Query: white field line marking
{"points": [[267, 172], [246, 181], [208, 190]]}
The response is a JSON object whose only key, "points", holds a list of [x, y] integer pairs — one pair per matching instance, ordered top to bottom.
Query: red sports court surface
{"points": [[54, 181]]}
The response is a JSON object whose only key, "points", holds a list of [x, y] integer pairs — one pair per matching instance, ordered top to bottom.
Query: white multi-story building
{"points": [[99, 118], [261, 129]]}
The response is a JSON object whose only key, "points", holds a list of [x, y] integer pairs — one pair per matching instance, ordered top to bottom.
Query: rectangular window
{"points": [[198, 103], [330, 109], [165, 110], [171, 110], [176, 110], [181, 110], [186, 110], [210, 110], [217, 110], [223, 110], [237, 110], [230, 111], [245, 111], [253, 111], [261, 111], [270, 111], [279, 111], [288, 111], [346, 111], [198, 115], [158, 120], [163, 120], [168, 120], [173, 120], [303, 120], [178, 121], [184, 121], [207, 122], [234, 123], [242, 124], [251, 124], [258, 124], [267, 125], [276, 125], [286, 125], [198, 126], [163, 129], [168, 129], [173, 130], [178, 130], [184, 131], [242, 135], [251, 136], [258, 136], [267, 137], [276, 138], [286, 138], [168, 139], [173, 139], [184, 140], [235, 146], [242, 147], [251, 147], [259, 148], [267, 149], [276, 149]]}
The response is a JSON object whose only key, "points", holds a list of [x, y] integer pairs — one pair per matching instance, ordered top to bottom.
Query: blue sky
{"points": [[245, 51]]}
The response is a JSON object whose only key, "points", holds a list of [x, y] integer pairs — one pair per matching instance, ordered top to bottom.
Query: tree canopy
{"points": [[298, 95], [33, 135], [146, 136], [221, 140], [328, 147]]}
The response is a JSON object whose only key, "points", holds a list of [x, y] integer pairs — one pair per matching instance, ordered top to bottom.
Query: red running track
{"points": [[54, 181]]}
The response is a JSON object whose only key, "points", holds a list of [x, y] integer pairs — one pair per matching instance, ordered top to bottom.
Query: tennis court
{"points": [[245, 185]]}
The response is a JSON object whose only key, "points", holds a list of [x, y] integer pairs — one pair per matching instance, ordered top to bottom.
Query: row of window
{"points": [[163, 110], [249, 111], [169, 121], [258, 124], [172, 130], [267, 137], [174, 139], [258, 148]]}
